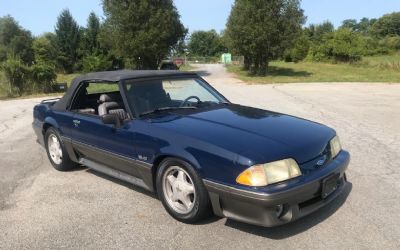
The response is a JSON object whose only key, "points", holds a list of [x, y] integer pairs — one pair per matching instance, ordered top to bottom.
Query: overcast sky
{"points": [[40, 15]]}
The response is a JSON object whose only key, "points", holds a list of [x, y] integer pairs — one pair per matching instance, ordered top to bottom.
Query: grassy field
{"points": [[186, 67], [371, 69], [66, 78]]}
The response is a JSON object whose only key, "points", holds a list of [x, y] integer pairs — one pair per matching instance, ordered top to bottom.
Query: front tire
{"points": [[56, 151], [182, 191]]}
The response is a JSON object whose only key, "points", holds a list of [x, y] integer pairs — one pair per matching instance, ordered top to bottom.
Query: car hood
{"points": [[258, 135]]}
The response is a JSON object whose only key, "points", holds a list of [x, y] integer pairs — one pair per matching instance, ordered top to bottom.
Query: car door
{"points": [[104, 143]]}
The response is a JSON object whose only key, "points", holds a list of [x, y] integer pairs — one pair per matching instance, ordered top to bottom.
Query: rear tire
{"points": [[56, 151], [182, 191]]}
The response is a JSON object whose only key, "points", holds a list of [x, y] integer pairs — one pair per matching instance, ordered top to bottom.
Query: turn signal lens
{"points": [[263, 175], [254, 176]]}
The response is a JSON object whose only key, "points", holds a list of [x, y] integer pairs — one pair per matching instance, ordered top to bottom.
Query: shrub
{"points": [[391, 42], [343, 45], [346, 46], [372, 46], [96, 63], [16, 73], [43, 76]]}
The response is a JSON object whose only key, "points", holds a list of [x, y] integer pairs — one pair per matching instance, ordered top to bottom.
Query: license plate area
{"points": [[329, 185]]}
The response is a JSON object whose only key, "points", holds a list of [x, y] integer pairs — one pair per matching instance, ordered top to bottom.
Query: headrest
{"points": [[110, 98], [111, 105]]}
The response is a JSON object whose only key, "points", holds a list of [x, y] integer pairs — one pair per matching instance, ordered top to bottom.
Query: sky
{"points": [[40, 16]]}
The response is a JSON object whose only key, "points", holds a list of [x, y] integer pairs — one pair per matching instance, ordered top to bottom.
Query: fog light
{"points": [[279, 210]]}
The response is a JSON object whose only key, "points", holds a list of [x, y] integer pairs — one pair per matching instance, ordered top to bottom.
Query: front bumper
{"points": [[260, 208]]}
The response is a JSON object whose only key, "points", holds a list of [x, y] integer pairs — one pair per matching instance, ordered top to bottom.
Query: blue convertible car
{"points": [[172, 133]]}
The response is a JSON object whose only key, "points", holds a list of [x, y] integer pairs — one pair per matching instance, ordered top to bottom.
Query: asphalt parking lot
{"points": [[42, 208]]}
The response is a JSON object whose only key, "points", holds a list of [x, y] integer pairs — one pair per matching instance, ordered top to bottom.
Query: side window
{"points": [[100, 88], [99, 98]]}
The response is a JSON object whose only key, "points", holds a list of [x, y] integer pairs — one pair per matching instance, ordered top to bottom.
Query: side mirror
{"points": [[111, 119]]}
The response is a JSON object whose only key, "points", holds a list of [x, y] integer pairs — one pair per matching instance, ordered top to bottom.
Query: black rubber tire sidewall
{"points": [[66, 163], [202, 207]]}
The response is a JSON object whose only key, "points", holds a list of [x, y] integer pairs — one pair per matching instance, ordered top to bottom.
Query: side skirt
{"points": [[114, 173]]}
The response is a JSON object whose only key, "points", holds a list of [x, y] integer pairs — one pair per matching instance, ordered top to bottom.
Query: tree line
{"points": [[263, 31], [134, 34], [140, 34]]}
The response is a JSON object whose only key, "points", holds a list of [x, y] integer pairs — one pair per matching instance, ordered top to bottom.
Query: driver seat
{"points": [[149, 96], [112, 104]]}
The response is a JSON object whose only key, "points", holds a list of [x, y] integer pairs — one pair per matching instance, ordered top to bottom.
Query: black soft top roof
{"points": [[116, 76]]}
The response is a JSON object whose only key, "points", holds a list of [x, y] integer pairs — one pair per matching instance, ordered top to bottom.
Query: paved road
{"points": [[42, 208]]}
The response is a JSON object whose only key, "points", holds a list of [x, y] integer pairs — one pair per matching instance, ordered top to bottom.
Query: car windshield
{"points": [[152, 96]]}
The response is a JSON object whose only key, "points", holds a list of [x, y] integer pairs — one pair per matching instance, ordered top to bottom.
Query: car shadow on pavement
{"points": [[78, 168], [299, 226]]}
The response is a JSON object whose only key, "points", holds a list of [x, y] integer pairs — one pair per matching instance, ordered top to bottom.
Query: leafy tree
{"points": [[351, 24], [365, 24], [388, 25], [362, 27], [263, 30], [322, 30], [143, 32], [91, 33], [68, 38], [15, 41], [206, 43], [346, 46], [180, 48], [45, 49], [300, 49], [3, 53], [96, 63]]}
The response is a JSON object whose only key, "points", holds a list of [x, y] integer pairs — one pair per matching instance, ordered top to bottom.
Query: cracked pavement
{"points": [[41, 208]]}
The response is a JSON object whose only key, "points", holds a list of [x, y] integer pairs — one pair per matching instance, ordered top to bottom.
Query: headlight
{"points": [[335, 146], [265, 174]]}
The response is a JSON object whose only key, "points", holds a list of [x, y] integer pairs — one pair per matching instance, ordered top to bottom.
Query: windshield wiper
{"points": [[157, 110]]}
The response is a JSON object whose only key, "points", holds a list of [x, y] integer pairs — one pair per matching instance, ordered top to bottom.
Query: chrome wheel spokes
{"points": [[55, 150], [179, 190]]}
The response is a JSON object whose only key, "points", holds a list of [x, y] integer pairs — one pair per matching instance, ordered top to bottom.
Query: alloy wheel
{"points": [[179, 190]]}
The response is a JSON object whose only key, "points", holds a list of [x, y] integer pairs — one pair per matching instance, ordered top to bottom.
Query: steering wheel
{"points": [[189, 98]]}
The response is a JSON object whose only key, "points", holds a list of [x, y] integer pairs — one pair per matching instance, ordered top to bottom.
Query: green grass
{"points": [[186, 67], [371, 69], [66, 78]]}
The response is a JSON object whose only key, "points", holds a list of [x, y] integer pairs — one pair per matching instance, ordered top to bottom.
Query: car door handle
{"points": [[76, 123]]}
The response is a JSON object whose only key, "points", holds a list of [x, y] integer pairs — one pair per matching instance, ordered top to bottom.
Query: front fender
{"points": [[50, 121], [178, 153], [211, 162]]}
